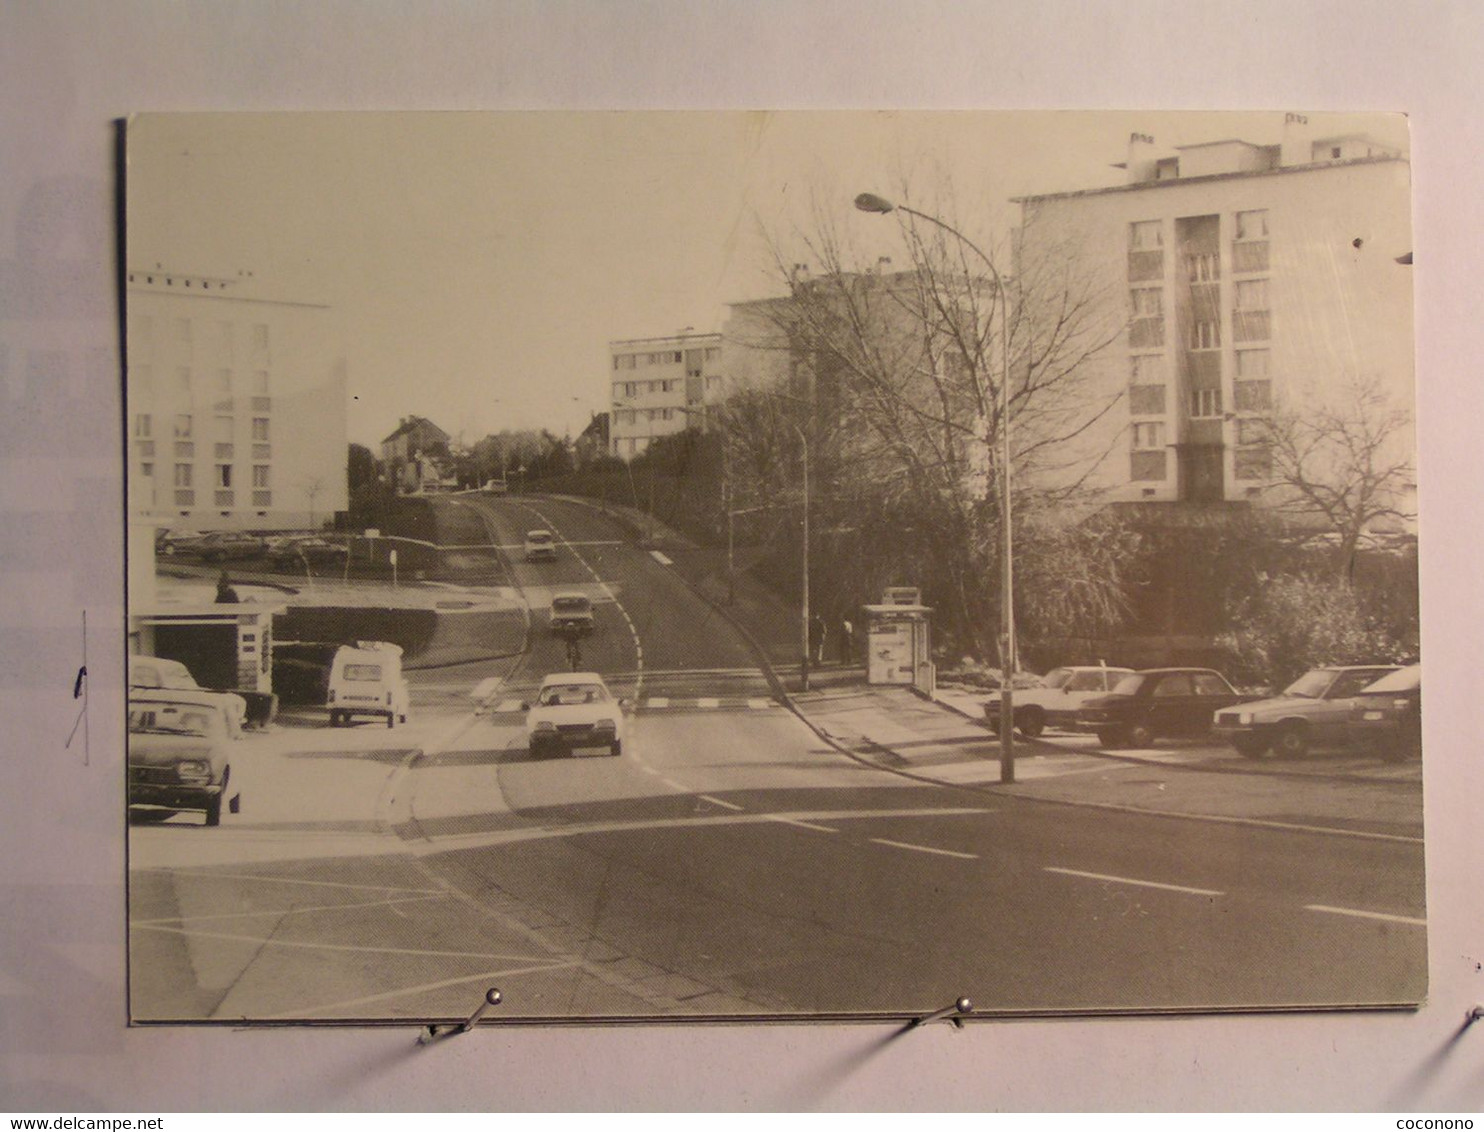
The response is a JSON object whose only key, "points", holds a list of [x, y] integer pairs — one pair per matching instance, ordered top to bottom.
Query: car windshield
{"points": [[538, 536], [569, 604], [367, 672], [1056, 677], [1403, 680], [1130, 684], [1311, 685], [561, 695], [167, 719]]}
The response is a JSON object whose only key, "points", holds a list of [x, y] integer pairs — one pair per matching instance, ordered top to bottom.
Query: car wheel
{"points": [[402, 718], [334, 719], [391, 720], [1030, 722], [1140, 736], [1112, 739], [1292, 742], [615, 748], [1250, 748], [214, 810]]}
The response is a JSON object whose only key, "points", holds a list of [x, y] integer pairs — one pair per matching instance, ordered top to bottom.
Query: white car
{"points": [[540, 544], [367, 680], [1055, 702], [573, 710]]}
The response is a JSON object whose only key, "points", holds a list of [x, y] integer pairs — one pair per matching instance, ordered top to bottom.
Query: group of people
{"points": [[820, 637]]}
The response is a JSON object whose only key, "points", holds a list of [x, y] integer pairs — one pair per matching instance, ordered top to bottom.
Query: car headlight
{"points": [[1244, 718], [544, 725], [605, 725], [193, 770]]}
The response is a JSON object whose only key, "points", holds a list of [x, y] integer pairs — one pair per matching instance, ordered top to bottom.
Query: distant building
{"points": [[1251, 275], [660, 387], [236, 403], [592, 442], [413, 455]]}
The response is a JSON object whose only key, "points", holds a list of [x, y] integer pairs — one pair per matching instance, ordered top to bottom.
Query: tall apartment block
{"points": [[1252, 275], [660, 387]]}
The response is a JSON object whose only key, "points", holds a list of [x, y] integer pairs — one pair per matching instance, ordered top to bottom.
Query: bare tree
{"points": [[907, 367], [1340, 467]]}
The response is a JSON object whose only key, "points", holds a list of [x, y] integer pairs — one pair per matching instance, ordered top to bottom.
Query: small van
{"points": [[571, 613], [366, 679]]}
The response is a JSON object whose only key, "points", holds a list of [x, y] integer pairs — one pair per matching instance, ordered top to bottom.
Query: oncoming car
{"points": [[540, 545], [573, 710], [179, 756]]}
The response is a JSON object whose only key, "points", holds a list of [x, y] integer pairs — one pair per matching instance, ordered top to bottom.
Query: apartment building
{"points": [[1255, 278], [660, 387], [236, 405]]}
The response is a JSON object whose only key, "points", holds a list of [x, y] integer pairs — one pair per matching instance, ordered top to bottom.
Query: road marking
{"points": [[660, 558], [657, 701], [708, 702], [758, 705], [719, 802], [802, 824], [926, 849], [294, 880], [1135, 881], [296, 911], [1386, 916], [318, 945], [482, 977]]}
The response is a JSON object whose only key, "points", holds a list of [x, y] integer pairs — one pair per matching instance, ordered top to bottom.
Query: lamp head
{"points": [[870, 202]]}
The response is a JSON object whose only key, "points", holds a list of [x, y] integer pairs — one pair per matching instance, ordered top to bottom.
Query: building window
{"points": [[1145, 235], [1250, 246], [1146, 257], [1202, 267], [1250, 319], [1148, 328], [1205, 334], [142, 338], [713, 353], [260, 355], [624, 361], [1252, 365], [1147, 369], [260, 382], [631, 389], [1252, 396], [1146, 400], [1205, 403], [141, 426], [183, 426], [222, 427], [260, 428], [1252, 431], [1149, 436], [145, 448], [262, 451], [1252, 464], [147, 469], [184, 474], [223, 475], [260, 475]]}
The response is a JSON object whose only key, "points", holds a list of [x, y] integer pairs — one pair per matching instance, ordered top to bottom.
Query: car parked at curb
{"points": [[219, 546], [540, 546], [293, 553], [157, 675], [1056, 700], [1158, 703], [573, 710], [1313, 711], [1386, 718], [179, 756]]}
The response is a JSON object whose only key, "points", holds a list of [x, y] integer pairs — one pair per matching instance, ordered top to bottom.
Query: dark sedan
{"points": [[1158, 703], [1387, 716]]}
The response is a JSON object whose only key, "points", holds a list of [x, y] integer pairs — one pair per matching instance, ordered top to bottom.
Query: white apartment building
{"points": [[1254, 277], [660, 387], [236, 405]]}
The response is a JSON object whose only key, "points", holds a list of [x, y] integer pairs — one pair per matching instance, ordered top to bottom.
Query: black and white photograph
{"points": [[722, 565]]}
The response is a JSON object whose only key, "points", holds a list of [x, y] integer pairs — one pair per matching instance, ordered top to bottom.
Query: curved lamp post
{"points": [[870, 202]]}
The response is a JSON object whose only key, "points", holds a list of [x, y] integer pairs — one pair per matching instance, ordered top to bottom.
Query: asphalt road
{"points": [[729, 863]]}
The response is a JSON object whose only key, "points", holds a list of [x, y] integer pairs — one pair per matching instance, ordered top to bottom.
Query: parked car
{"points": [[172, 542], [540, 545], [218, 546], [292, 553], [572, 612], [157, 674], [366, 679], [1057, 698], [1157, 703], [574, 710], [1313, 711], [1387, 716], [179, 756]]}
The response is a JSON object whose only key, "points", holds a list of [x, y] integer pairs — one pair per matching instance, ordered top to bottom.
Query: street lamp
{"points": [[870, 202], [804, 601]]}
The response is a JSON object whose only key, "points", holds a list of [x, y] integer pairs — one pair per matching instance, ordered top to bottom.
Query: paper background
{"points": [[67, 71]]}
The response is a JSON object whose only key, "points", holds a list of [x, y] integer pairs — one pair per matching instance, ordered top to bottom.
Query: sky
{"points": [[479, 263]]}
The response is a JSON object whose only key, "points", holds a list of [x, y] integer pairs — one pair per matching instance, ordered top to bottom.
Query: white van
{"points": [[366, 679]]}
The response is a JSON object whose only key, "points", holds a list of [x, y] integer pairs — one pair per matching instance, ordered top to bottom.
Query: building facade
{"points": [[1256, 279], [661, 386], [236, 405], [412, 454]]}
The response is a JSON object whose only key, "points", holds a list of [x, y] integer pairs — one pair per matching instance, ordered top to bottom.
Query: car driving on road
{"points": [[540, 545], [571, 613], [1055, 702], [1157, 703], [573, 710], [1313, 711]]}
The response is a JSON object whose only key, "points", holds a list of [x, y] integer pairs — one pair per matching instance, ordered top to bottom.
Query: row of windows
{"points": [[1148, 235], [219, 339], [692, 358], [224, 381], [639, 388], [1203, 404], [633, 416], [224, 427], [1251, 431], [1146, 465], [221, 477]]}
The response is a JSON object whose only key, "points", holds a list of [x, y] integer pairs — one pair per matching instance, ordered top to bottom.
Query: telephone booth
{"points": [[898, 644]]}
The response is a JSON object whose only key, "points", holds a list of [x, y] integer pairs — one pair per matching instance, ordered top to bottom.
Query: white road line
{"points": [[660, 558], [657, 701], [708, 702], [758, 705], [719, 802], [802, 824], [925, 849], [293, 880], [1134, 881], [296, 911], [1386, 916], [317, 945], [482, 977]]}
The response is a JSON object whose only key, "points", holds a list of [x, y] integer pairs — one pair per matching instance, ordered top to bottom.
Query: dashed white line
{"points": [[660, 558], [658, 701], [708, 702], [758, 705], [719, 802], [802, 824], [926, 849], [1134, 881], [1387, 917]]}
